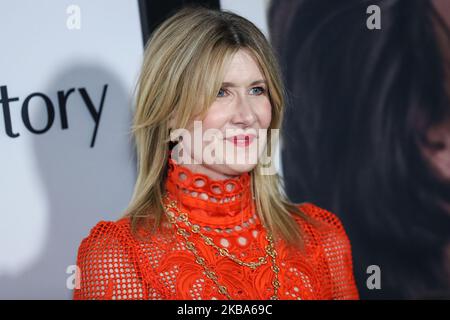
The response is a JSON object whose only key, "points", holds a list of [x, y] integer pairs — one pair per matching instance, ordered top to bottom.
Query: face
{"points": [[232, 135], [437, 149]]}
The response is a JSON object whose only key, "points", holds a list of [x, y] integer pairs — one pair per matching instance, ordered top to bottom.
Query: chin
{"points": [[238, 169]]}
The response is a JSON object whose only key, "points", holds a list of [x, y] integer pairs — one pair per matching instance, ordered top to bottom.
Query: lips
{"points": [[242, 140]]}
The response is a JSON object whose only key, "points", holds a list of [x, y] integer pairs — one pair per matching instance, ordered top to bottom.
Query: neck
{"points": [[199, 168], [210, 201]]}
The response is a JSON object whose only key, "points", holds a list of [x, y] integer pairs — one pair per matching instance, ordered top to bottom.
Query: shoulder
{"points": [[321, 219], [323, 228], [107, 229], [105, 235], [119, 235], [110, 255]]}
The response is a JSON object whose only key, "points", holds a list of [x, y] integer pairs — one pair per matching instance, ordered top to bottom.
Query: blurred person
{"points": [[367, 132]]}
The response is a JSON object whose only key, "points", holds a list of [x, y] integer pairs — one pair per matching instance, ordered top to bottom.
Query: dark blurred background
{"points": [[367, 132]]}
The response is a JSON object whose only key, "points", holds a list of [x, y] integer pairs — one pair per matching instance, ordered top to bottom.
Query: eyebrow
{"points": [[231, 84]]}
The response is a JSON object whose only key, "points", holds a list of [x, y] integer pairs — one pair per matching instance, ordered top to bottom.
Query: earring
{"points": [[175, 142]]}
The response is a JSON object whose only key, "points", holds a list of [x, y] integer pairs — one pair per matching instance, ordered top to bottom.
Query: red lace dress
{"points": [[115, 265]]}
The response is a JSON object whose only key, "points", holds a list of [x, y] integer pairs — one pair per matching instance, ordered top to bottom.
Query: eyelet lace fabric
{"points": [[113, 264]]}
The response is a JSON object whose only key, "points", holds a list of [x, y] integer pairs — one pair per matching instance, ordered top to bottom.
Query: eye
{"points": [[258, 90], [221, 93]]}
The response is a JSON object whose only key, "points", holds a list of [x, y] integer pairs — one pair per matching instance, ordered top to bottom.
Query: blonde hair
{"points": [[182, 72]]}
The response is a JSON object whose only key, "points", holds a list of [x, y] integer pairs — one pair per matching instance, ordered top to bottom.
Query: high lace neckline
{"points": [[210, 202]]}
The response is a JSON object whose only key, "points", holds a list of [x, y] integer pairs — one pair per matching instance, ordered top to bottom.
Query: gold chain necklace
{"points": [[270, 251]]}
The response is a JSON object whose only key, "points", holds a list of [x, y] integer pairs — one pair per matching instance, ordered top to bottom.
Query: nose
{"points": [[244, 114]]}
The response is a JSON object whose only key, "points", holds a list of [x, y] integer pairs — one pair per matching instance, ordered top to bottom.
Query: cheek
{"points": [[265, 114], [216, 118]]}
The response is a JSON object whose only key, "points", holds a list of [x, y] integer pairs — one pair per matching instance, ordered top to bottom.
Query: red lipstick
{"points": [[242, 140]]}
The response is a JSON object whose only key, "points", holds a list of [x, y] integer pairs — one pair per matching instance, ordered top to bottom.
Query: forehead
{"points": [[243, 67]]}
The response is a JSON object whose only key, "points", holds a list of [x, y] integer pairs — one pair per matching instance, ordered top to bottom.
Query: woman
{"points": [[377, 103], [220, 229]]}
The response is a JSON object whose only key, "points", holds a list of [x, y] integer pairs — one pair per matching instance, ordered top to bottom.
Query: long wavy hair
{"points": [[183, 69], [360, 104]]}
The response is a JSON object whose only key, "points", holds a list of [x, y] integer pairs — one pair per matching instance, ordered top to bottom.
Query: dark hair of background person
{"points": [[154, 12], [360, 103]]}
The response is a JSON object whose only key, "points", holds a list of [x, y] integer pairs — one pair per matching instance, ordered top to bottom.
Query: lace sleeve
{"points": [[338, 255], [105, 268]]}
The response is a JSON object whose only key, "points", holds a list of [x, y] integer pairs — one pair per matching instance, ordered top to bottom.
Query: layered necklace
{"points": [[174, 215]]}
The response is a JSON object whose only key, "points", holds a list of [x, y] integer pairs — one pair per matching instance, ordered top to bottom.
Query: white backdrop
{"points": [[65, 165], [54, 186]]}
